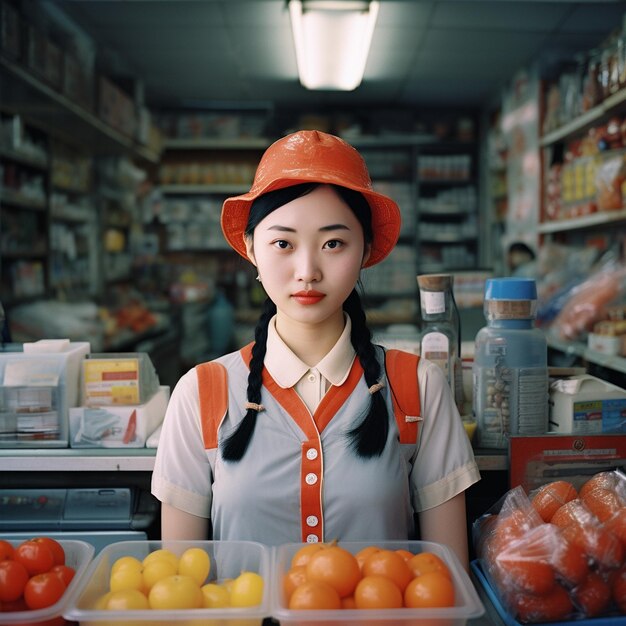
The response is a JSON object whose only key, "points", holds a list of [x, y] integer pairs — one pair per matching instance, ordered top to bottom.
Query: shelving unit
{"points": [[614, 103], [44, 107], [195, 176], [429, 206], [447, 207], [606, 218], [24, 219], [73, 224], [604, 224], [62, 247], [580, 350]]}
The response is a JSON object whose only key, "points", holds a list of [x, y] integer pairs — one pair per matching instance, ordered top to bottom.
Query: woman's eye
{"points": [[282, 244], [333, 244]]}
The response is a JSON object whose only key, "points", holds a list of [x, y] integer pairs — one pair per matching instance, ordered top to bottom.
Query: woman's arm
{"points": [[177, 524], [447, 524]]}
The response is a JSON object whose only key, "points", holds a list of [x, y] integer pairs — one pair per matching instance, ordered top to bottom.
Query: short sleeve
{"points": [[444, 465], [182, 475]]}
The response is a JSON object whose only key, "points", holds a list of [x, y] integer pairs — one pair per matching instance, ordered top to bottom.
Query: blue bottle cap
{"points": [[510, 289]]}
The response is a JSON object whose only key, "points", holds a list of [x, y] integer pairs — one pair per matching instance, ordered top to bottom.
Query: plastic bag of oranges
{"points": [[558, 552]]}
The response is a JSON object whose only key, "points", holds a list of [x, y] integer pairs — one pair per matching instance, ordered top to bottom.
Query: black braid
{"points": [[368, 439], [236, 444]]}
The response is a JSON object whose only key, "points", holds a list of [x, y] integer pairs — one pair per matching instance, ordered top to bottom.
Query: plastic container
{"points": [[440, 334], [510, 370], [38, 386], [78, 554], [228, 560], [467, 606]]}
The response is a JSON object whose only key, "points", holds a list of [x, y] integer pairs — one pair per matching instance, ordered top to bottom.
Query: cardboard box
{"points": [[116, 108], [584, 404], [117, 426], [538, 460]]}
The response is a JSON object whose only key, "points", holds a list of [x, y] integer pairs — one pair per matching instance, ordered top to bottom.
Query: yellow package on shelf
{"points": [[118, 379]]}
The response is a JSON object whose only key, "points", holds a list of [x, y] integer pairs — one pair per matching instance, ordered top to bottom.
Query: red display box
{"points": [[537, 460]]}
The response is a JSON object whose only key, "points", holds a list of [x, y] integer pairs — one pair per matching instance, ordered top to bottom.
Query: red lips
{"points": [[308, 297]]}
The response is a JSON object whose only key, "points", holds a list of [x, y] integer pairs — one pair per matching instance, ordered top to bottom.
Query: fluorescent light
{"points": [[332, 40]]}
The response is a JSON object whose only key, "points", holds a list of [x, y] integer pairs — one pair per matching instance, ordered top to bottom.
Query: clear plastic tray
{"points": [[78, 554], [228, 560], [468, 604]]}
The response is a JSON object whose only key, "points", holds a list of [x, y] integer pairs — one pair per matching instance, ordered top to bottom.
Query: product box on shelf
{"points": [[44, 57], [77, 82], [116, 108], [118, 378], [38, 386], [586, 405], [118, 426], [537, 460], [78, 555], [228, 559], [467, 604]]}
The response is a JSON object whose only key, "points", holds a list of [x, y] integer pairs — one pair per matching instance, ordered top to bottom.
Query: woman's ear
{"points": [[249, 249], [366, 253]]}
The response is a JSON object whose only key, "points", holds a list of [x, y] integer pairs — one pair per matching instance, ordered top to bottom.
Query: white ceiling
{"points": [[440, 52]]}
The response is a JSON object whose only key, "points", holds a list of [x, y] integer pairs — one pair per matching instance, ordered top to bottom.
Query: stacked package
{"points": [[122, 402]]}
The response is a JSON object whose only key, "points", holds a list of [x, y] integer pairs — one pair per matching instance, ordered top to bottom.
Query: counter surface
{"points": [[135, 460]]}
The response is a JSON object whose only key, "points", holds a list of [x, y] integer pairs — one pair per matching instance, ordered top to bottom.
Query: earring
{"points": [[259, 278]]}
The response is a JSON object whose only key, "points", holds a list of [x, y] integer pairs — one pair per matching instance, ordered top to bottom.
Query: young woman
{"points": [[306, 444]]}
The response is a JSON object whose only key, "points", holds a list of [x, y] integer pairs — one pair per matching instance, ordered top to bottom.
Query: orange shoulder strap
{"points": [[401, 373], [402, 376], [213, 391]]}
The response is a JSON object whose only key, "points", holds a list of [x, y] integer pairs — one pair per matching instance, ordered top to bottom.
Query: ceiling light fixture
{"points": [[332, 40]]}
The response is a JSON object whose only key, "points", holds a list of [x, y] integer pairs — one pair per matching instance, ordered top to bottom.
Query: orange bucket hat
{"points": [[313, 156]]}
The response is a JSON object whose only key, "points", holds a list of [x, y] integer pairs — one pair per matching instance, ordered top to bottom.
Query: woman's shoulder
{"points": [[427, 371]]}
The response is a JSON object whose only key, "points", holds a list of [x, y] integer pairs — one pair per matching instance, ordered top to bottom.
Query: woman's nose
{"points": [[307, 268]]}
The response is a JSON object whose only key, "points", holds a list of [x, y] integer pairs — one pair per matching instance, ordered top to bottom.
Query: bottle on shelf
{"points": [[440, 334], [510, 365]]}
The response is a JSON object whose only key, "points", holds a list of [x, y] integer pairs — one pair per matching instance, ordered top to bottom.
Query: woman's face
{"points": [[308, 254]]}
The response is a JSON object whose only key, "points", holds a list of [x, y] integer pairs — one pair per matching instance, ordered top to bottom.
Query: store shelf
{"points": [[42, 106], [608, 107], [384, 141], [214, 143], [23, 158], [431, 182], [234, 188], [7, 196], [446, 210], [70, 214], [601, 218], [445, 238], [24, 254], [581, 350], [77, 460], [136, 460]]}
